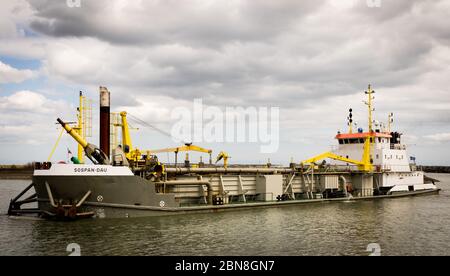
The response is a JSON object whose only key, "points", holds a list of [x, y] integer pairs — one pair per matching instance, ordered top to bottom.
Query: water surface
{"points": [[402, 226]]}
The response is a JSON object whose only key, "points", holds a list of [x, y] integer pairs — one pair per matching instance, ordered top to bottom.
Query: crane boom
{"points": [[182, 148], [186, 148], [92, 151], [135, 153], [223, 155], [363, 165]]}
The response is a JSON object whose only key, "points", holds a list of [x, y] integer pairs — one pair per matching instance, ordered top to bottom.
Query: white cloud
{"points": [[12, 15], [20, 47], [313, 59], [9, 74], [30, 102], [28, 117], [439, 137]]}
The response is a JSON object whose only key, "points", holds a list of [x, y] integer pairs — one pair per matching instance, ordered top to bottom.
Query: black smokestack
{"points": [[104, 119]]}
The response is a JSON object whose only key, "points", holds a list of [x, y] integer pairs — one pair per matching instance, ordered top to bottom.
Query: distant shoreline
{"points": [[435, 169], [16, 172], [20, 172]]}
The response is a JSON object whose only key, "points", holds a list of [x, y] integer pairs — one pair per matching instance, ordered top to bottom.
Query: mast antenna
{"points": [[369, 104], [390, 121]]}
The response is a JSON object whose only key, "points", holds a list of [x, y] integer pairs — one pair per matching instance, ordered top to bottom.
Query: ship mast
{"points": [[369, 104], [350, 121], [390, 121], [84, 124], [80, 128], [367, 158]]}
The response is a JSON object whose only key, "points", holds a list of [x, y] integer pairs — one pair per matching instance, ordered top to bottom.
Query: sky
{"points": [[311, 59]]}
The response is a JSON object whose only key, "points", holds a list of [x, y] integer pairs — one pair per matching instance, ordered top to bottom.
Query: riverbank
{"points": [[435, 169], [16, 171]]}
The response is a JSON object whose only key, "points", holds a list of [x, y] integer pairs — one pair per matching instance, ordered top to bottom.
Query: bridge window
{"points": [[351, 141]]}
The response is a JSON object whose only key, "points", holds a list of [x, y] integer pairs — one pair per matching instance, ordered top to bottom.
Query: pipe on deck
{"points": [[228, 170], [191, 183], [344, 184]]}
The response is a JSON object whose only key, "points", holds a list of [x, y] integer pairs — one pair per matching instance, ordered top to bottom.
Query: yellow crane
{"points": [[84, 127], [127, 145], [185, 148], [94, 153], [136, 154], [223, 155], [365, 163]]}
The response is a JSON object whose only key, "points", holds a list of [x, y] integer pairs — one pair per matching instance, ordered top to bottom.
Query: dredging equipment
{"points": [[365, 165]]}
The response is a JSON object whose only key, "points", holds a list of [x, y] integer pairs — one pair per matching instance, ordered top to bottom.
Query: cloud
{"points": [[13, 16], [155, 22], [17, 39], [20, 47], [288, 49], [313, 59], [10, 74], [27, 101], [28, 117], [439, 137]]}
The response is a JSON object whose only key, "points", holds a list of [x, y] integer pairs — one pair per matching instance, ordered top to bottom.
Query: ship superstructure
{"points": [[384, 153]]}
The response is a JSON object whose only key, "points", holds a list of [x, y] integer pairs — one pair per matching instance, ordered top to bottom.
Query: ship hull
{"points": [[110, 192], [115, 210]]}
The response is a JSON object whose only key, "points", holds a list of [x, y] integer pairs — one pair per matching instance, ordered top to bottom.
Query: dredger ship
{"points": [[129, 182]]}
